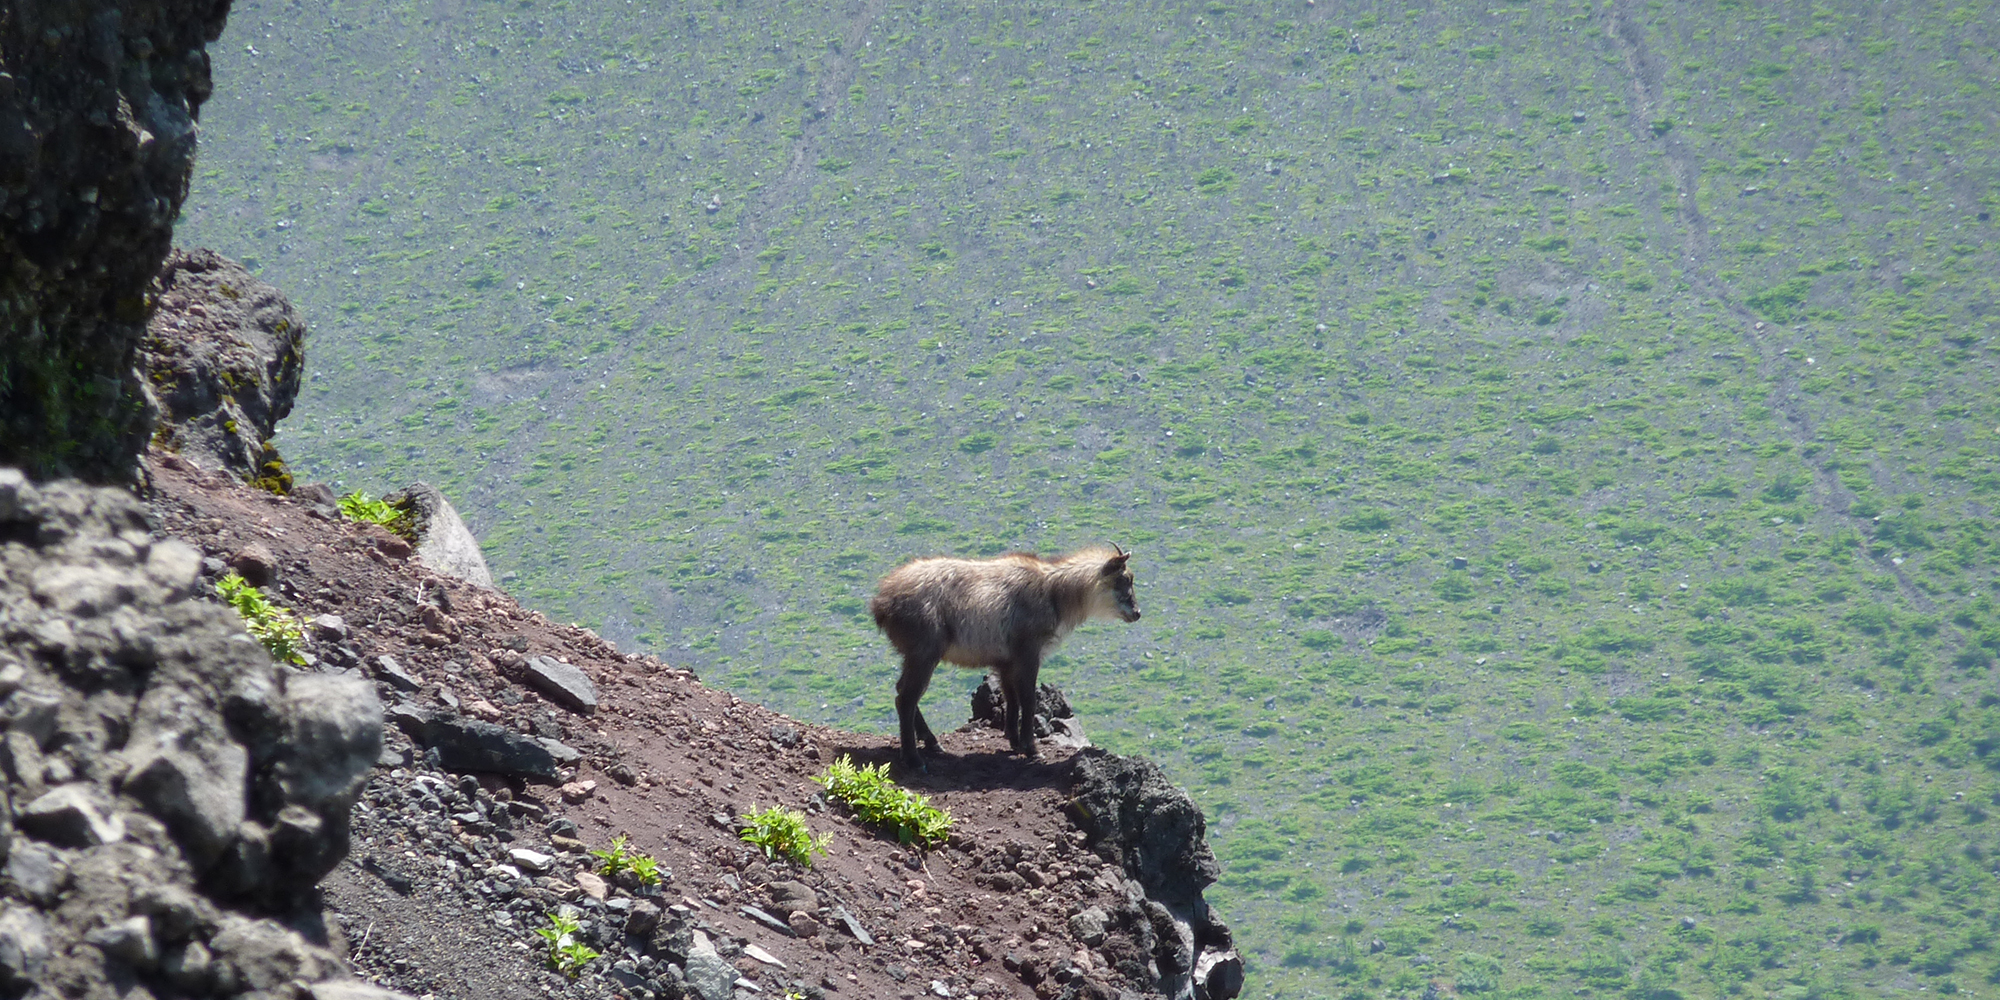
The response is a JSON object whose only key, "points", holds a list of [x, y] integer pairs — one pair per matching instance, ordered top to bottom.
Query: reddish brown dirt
{"points": [[668, 756]]}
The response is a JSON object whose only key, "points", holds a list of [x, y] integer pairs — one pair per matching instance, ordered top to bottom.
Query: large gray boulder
{"points": [[442, 540], [563, 683], [464, 745]]}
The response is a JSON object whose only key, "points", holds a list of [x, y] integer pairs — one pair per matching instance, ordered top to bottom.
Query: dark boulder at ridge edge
{"points": [[222, 357], [1138, 818]]}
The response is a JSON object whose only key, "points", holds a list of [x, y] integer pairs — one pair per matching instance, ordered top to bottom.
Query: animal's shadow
{"points": [[970, 771]]}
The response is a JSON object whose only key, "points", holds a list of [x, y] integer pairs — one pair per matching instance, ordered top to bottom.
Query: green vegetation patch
{"points": [[274, 625], [879, 801], [782, 833]]}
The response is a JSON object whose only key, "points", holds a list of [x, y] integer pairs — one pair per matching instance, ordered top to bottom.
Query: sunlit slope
{"points": [[1558, 442]]}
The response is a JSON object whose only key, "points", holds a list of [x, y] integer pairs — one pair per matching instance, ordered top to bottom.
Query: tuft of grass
{"points": [[271, 624], [879, 801], [781, 832], [566, 954]]}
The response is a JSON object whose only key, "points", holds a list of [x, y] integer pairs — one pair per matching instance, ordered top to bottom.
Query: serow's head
{"points": [[1116, 579]]}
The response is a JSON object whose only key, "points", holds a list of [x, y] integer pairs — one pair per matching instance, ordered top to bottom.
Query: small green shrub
{"points": [[359, 506], [273, 625], [879, 801], [782, 832], [620, 857], [617, 858], [646, 868], [566, 954], [1478, 973]]}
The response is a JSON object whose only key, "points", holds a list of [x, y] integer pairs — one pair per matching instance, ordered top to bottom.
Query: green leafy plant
{"points": [[359, 506], [273, 625], [878, 800], [782, 832], [620, 857], [617, 858], [646, 868], [566, 954]]}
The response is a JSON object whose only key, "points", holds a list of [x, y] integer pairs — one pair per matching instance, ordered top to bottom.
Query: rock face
{"points": [[97, 138], [222, 359], [443, 541], [171, 782], [1144, 822]]}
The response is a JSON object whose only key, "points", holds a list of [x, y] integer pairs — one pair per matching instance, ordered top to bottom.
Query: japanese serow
{"points": [[1003, 614]]}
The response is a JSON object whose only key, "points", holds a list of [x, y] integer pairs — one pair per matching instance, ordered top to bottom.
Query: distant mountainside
{"points": [[1558, 442]]}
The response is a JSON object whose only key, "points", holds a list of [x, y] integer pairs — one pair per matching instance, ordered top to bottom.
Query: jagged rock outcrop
{"points": [[97, 138], [222, 358], [443, 541], [1054, 718], [175, 791], [1141, 820]]}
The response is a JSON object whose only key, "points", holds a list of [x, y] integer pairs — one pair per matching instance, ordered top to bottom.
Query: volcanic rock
{"points": [[97, 142], [472, 745], [198, 775], [71, 816]]}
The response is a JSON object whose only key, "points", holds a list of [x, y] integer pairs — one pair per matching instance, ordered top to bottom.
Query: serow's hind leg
{"points": [[910, 687]]}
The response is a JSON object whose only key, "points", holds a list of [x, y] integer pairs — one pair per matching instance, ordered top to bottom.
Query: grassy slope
{"points": [[1558, 440]]}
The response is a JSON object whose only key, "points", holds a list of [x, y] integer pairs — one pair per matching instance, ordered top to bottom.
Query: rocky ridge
{"points": [[223, 355], [517, 745]]}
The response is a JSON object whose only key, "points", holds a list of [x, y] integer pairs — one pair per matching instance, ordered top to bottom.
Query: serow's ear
{"points": [[1116, 564]]}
